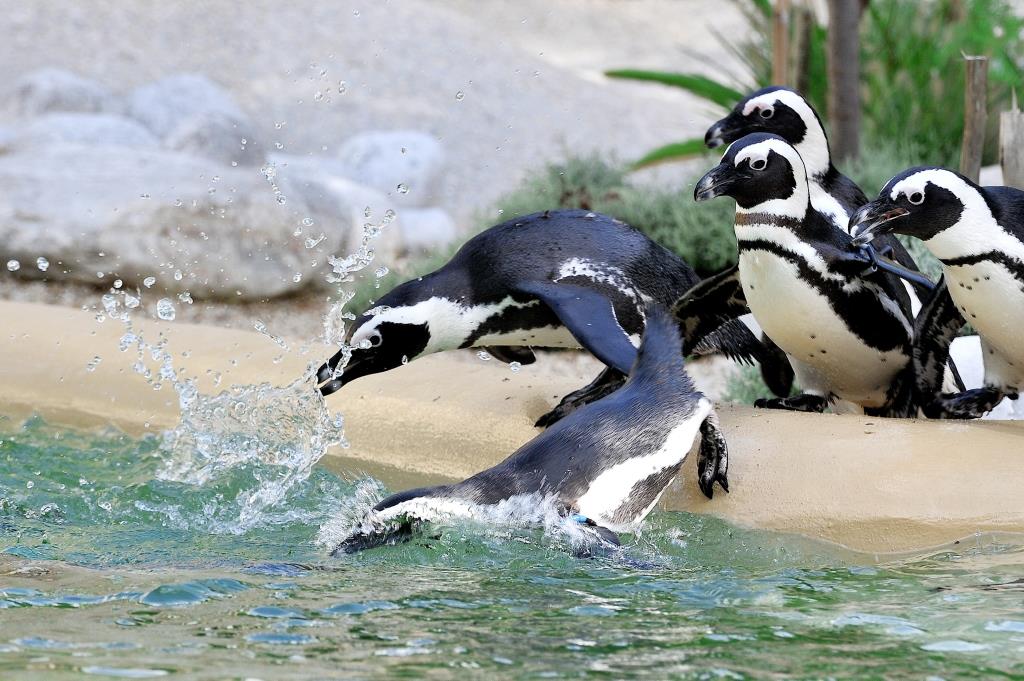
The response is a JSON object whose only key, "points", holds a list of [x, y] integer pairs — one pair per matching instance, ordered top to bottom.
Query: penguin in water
{"points": [[784, 112], [977, 233], [567, 278], [849, 337], [605, 465]]}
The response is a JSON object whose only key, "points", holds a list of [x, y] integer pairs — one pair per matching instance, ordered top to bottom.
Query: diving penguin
{"points": [[784, 112], [977, 233], [567, 278], [848, 336], [605, 464]]}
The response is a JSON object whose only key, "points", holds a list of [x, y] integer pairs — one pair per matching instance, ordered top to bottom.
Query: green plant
{"points": [[911, 73], [699, 232], [745, 385]]}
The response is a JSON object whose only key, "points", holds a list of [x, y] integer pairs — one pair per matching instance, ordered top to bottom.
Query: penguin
{"points": [[785, 112], [977, 233], [567, 278], [849, 337], [605, 465]]}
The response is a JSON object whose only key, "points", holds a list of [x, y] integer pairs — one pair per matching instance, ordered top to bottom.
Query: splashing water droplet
{"points": [[342, 87], [319, 96], [459, 96], [402, 188], [307, 222], [313, 243], [42, 263], [13, 265], [381, 271], [177, 275], [297, 277], [148, 282], [118, 283], [185, 297], [165, 310], [483, 355], [405, 360], [93, 363], [515, 366]]}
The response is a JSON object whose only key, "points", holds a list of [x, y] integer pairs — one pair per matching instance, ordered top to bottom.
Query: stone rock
{"points": [[47, 90], [165, 104], [85, 128], [218, 136], [403, 164], [338, 204], [134, 213], [427, 229]]}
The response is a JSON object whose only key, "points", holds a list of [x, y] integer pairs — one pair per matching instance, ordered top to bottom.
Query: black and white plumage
{"points": [[784, 112], [977, 233], [566, 278], [848, 336], [608, 462]]}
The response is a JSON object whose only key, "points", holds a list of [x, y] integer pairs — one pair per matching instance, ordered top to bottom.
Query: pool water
{"points": [[113, 565]]}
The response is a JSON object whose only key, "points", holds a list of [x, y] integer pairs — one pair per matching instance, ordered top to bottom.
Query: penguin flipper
{"points": [[709, 304], [590, 319], [934, 330], [713, 464]]}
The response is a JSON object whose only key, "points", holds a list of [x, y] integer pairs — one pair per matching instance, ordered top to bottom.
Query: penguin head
{"points": [[779, 111], [759, 171], [920, 202], [395, 332]]}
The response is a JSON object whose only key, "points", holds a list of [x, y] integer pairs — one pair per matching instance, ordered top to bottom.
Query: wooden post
{"points": [[780, 43], [844, 77], [975, 115], [1011, 145]]}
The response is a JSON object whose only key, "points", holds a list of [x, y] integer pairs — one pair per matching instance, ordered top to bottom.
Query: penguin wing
{"points": [[709, 304], [590, 319], [934, 329], [512, 353]]}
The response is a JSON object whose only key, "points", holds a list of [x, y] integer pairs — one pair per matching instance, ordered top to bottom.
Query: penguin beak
{"points": [[725, 131], [716, 182], [874, 219], [357, 367]]}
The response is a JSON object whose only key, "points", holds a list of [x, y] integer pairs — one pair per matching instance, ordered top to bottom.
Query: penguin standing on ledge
{"points": [[784, 112], [977, 233], [567, 278], [848, 337], [605, 465]]}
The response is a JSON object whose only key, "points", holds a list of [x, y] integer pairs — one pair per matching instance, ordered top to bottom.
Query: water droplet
{"points": [[355, 12], [342, 87], [319, 96], [459, 96], [402, 188], [143, 196], [280, 199], [389, 216], [307, 222], [313, 243], [42, 263], [13, 265], [382, 271], [177, 275], [297, 277], [148, 282], [118, 283], [185, 297], [131, 301], [165, 309], [483, 355], [405, 360], [93, 363], [515, 366], [30, 484]]}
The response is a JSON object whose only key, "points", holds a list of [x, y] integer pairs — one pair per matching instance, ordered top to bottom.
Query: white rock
{"points": [[52, 89], [165, 104], [85, 128], [218, 136], [403, 164], [340, 205], [138, 213], [427, 229]]}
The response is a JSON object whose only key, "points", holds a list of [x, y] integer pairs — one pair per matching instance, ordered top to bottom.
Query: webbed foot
{"points": [[606, 382], [805, 402], [970, 404], [713, 464]]}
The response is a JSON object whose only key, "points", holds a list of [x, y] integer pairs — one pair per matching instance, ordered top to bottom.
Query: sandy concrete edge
{"points": [[869, 484]]}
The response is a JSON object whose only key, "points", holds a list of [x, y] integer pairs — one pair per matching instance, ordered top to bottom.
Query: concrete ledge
{"points": [[869, 484]]}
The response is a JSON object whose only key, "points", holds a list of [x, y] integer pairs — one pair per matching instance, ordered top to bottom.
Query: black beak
{"points": [[726, 131], [715, 136], [716, 182], [874, 219], [357, 367]]}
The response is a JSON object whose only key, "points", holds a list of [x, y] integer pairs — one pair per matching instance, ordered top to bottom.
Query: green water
{"points": [[110, 570]]}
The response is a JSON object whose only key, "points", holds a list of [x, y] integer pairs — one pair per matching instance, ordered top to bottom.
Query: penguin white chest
{"points": [[992, 301], [800, 319]]}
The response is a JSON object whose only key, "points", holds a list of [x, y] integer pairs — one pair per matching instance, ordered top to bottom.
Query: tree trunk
{"points": [[780, 43], [844, 77], [975, 116], [1011, 141]]}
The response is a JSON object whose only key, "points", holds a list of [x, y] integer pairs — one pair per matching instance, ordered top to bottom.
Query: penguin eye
{"points": [[767, 112], [758, 164], [916, 198], [375, 339]]}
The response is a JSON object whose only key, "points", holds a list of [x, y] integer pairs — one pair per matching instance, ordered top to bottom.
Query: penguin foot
{"points": [[607, 382], [808, 403], [970, 404], [713, 462]]}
